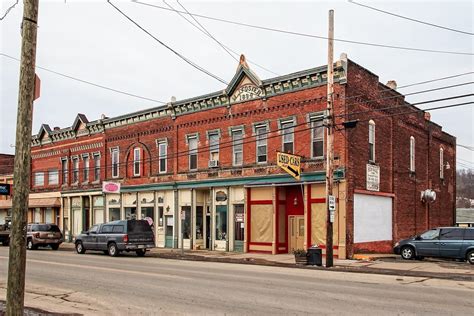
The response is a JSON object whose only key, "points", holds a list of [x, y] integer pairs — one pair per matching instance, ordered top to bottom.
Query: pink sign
{"points": [[110, 187]]}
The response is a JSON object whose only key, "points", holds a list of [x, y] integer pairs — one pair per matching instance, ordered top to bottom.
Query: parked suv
{"points": [[43, 235], [117, 236], [445, 242]]}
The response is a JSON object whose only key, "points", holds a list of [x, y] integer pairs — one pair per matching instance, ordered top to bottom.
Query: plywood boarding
{"points": [[318, 191], [259, 194], [261, 219], [318, 223], [260, 248]]}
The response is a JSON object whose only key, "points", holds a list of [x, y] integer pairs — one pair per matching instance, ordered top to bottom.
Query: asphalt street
{"points": [[96, 284]]}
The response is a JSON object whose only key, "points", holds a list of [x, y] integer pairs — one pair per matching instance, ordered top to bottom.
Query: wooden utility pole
{"points": [[330, 143], [21, 175]]}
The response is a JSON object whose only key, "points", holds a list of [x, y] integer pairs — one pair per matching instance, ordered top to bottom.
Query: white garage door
{"points": [[372, 218]]}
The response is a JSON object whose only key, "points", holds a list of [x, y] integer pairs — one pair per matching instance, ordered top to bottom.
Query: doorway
{"points": [[208, 230], [296, 232]]}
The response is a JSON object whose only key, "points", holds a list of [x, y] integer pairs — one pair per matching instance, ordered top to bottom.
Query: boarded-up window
{"points": [[261, 219]]}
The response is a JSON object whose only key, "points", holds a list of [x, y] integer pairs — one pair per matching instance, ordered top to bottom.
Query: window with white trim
{"points": [[287, 131], [317, 135], [261, 137], [371, 141], [214, 145], [237, 147], [412, 154], [162, 155], [193, 158], [136, 161], [115, 163], [441, 163], [96, 167], [64, 169], [85, 169], [75, 170], [53, 177], [39, 179]]}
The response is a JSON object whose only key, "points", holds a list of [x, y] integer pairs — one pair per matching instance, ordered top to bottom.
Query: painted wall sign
{"points": [[246, 92], [373, 177], [110, 187], [4, 189], [221, 196]]}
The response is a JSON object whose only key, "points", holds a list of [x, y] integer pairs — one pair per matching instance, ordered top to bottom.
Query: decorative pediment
{"points": [[245, 85], [80, 122], [44, 132]]}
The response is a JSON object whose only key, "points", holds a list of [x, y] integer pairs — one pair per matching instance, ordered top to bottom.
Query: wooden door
{"points": [[296, 232]]}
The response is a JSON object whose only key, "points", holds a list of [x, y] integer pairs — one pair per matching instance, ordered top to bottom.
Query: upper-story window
{"points": [[287, 131], [261, 137], [317, 138], [371, 141], [237, 147], [213, 148], [412, 154], [162, 155], [193, 157], [136, 161], [115, 162], [441, 163], [96, 167], [64, 169], [75, 170], [85, 170], [53, 177], [39, 179]]}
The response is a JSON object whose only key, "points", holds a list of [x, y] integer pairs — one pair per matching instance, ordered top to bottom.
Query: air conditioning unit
{"points": [[213, 163]]}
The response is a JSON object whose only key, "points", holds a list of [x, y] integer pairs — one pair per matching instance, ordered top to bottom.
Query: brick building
{"points": [[205, 168], [6, 179]]}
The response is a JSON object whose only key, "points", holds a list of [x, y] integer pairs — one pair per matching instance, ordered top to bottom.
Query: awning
{"points": [[44, 202]]}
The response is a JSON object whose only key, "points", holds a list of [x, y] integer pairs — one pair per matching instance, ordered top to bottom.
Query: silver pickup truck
{"points": [[117, 236]]}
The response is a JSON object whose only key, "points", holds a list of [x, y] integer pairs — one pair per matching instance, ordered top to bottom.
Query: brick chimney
{"points": [[392, 84], [56, 128]]}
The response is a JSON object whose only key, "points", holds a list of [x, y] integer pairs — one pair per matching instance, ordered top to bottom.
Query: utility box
{"points": [[315, 256]]}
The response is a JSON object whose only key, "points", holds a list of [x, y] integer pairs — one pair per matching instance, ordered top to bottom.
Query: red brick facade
{"points": [[296, 97]]}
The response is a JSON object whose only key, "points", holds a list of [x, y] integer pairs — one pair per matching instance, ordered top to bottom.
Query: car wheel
{"points": [[30, 245], [55, 246], [80, 248], [113, 250], [141, 252], [407, 252], [470, 257]]}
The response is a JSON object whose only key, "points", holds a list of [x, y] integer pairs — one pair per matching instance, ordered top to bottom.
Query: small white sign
{"points": [[373, 177], [332, 203], [183, 215], [332, 215]]}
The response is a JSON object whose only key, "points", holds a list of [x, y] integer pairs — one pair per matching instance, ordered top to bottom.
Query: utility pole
{"points": [[330, 144], [21, 175]]}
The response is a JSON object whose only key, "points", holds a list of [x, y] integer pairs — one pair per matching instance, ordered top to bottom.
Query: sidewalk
{"points": [[377, 264]]}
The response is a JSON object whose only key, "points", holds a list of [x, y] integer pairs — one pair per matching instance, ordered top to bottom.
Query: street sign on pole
{"points": [[332, 203]]}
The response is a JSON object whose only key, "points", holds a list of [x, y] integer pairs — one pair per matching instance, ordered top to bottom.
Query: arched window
{"points": [[371, 141], [412, 154], [441, 163]]}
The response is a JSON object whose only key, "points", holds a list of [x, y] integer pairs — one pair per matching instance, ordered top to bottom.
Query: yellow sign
{"points": [[290, 163]]}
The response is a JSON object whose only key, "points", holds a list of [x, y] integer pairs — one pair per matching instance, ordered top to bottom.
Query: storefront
{"points": [[44, 208]]}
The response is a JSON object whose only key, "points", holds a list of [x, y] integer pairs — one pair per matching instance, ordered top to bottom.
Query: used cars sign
{"points": [[290, 163]]}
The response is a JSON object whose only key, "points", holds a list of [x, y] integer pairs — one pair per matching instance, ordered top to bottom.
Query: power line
{"points": [[8, 10], [410, 19], [204, 30], [311, 35], [188, 61], [88, 82], [231, 143], [471, 148]]}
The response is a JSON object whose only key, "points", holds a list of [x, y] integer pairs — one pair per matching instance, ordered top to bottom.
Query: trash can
{"points": [[315, 256]]}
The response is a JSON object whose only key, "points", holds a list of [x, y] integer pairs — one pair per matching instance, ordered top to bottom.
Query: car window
{"points": [[138, 226], [45, 228], [93, 229], [107, 229], [117, 229], [430, 234], [452, 234], [469, 234]]}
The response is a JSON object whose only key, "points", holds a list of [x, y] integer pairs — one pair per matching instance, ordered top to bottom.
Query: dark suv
{"points": [[43, 235], [117, 236], [445, 242]]}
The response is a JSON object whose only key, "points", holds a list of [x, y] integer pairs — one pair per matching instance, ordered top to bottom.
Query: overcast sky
{"points": [[90, 40]]}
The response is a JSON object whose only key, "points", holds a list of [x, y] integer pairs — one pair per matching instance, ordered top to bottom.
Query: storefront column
{"points": [[247, 196], [122, 209], [106, 210], [91, 211], [138, 211], [229, 213], [213, 218], [176, 219], [193, 219], [69, 220], [156, 220], [275, 220]]}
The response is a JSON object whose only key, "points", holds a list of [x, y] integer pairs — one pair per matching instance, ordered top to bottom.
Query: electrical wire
{"points": [[8, 10], [410, 19], [311, 35], [188, 61], [88, 82], [244, 141]]}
